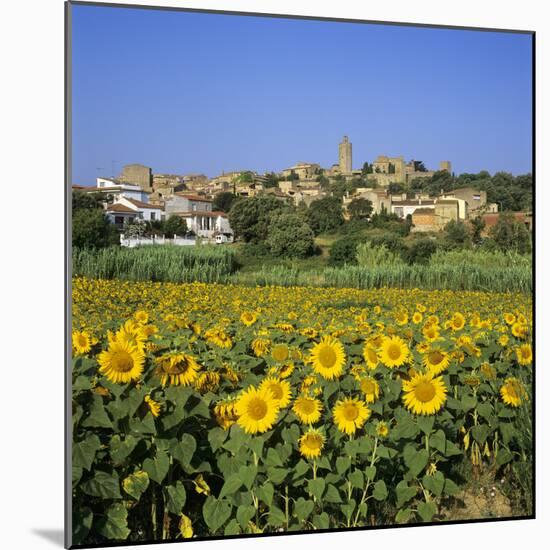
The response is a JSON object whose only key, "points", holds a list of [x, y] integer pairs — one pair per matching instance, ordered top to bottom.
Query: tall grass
{"points": [[481, 258], [208, 264], [455, 270], [450, 277]]}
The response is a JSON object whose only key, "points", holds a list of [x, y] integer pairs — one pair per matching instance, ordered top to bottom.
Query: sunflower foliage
{"points": [[204, 410]]}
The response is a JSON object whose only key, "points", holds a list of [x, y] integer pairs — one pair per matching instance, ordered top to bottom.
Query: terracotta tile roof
{"points": [[193, 197], [140, 204], [117, 207], [201, 213]]}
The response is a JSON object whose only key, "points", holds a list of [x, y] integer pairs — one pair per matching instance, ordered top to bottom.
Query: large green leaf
{"points": [[98, 417], [426, 423], [216, 437], [120, 449], [183, 449], [84, 451], [273, 458], [415, 460], [343, 464], [157, 468], [248, 475], [356, 479], [434, 483], [136, 484], [232, 484], [102, 485], [316, 487], [380, 491], [265, 493], [404, 493], [332, 495], [175, 497], [303, 508], [427, 510], [215, 512], [245, 514], [276, 517], [321, 521], [114, 526]]}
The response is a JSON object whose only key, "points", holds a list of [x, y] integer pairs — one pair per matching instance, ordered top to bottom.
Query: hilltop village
{"points": [[389, 184]]}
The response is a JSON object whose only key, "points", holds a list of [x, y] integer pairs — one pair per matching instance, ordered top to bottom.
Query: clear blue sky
{"points": [[188, 92]]}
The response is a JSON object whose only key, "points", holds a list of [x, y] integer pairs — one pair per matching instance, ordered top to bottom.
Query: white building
{"points": [[117, 188], [144, 211], [207, 224]]}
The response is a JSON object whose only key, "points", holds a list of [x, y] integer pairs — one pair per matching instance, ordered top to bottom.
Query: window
{"points": [[153, 216]]}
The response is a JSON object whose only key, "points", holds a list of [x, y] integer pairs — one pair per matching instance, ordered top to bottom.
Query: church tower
{"points": [[344, 156]]}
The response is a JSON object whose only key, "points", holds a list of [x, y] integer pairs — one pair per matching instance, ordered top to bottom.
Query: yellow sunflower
{"points": [[141, 317], [417, 317], [248, 318], [510, 318], [457, 321], [519, 330], [129, 332], [431, 332], [218, 337], [82, 342], [260, 346], [280, 352], [394, 352], [524, 354], [370, 355], [328, 358], [436, 360], [121, 362], [177, 368], [286, 370], [207, 381], [370, 387], [279, 388], [512, 392], [424, 393], [152, 405], [307, 409], [257, 410], [225, 413], [350, 414], [382, 429], [311, 443], [186, 527]]}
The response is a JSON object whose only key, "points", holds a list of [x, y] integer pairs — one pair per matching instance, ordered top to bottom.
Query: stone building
{"points": [[344, 156], [304, 170], [138, 174], [475, 198], [185, 202]]}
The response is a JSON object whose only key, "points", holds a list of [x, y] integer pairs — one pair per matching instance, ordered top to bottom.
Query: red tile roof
{"points": [[193, 197], [140, 204], [117, 207], [201, 213]]}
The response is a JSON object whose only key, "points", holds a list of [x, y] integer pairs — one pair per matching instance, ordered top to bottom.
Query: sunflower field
{"points": [[204, 410]]}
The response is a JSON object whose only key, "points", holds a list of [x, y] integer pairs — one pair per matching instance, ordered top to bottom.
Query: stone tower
{"points": [[344, 156], [445, 165]]}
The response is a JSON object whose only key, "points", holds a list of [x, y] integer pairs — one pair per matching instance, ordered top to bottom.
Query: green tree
{"points": [[367, 169], [271, 180], [324, 182], [396, 188], [223, 201], [360, 208], [325, 214], [249, 217], [174, 225], [477, 225], [91, 229], [457, 233], [510, 234], [289, 236], [344, 251], [420, 251]]}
